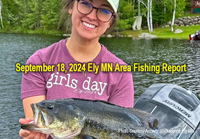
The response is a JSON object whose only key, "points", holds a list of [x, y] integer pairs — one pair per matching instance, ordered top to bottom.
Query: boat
{"points": [[194, 36], [176, 108]]}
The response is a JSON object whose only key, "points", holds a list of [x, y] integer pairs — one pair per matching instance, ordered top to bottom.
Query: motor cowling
{"points": [[176, 108]]}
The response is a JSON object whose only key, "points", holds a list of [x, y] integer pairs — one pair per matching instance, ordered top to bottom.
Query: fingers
{"points": [[25, 121], [25, 134], [31, 135], [35, 135], [43, 136]]}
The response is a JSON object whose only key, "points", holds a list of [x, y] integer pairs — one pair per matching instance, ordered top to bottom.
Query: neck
{"points": [[83, 50]]}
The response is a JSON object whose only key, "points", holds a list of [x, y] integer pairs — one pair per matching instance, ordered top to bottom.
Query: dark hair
{"points": [[65, 18]]}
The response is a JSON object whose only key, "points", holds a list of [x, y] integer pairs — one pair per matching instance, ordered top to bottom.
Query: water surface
{"points": [[16, 48]]}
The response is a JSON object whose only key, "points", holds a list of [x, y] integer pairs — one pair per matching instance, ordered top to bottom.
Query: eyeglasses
{"points": [[86, 8]]}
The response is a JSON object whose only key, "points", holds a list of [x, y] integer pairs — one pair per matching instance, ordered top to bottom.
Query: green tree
{"points": [[181, 6], [163, 10], [10, 13], [33, 14], [50, 14], [25, 15], [126, 15]]}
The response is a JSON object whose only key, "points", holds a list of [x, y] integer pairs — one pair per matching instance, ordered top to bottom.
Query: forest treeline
{"points": [[22, 15]]}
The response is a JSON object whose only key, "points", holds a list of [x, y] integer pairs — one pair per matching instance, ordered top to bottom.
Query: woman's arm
{"points": [[27, 104], [29, 117]]}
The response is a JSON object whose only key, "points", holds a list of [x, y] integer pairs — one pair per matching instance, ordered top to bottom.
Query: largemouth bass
{"points": [[74, 118]]}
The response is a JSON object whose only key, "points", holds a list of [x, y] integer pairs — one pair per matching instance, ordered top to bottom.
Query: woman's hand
{"points": [[25, 134]]}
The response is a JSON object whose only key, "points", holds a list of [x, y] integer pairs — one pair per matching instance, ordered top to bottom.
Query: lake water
{"points": [[18, 48]]}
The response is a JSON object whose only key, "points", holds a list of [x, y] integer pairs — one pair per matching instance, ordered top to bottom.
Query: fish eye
{"points": [[50, 106]]}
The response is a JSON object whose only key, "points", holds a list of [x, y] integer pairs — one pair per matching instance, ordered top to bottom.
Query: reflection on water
{"points": [[14, 48], [17, 48], [156, 52]]}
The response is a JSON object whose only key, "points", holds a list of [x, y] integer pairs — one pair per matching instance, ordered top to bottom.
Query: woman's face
{"points": [[89, 26]]}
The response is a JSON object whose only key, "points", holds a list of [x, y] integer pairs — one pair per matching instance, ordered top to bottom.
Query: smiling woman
{"points": [[108, 13], [86, 16], [90, 19]]}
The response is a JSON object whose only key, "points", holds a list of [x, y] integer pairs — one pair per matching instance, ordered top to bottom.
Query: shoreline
{"points": [[161, 33], [165, 33]]}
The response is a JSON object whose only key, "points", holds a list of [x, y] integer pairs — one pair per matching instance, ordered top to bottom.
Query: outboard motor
{"points": [[177, 110]]}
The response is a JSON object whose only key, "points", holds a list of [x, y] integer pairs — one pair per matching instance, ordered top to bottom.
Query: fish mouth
{"points": [[40, 119], [47, 120], [39, 123], [42, 124]]}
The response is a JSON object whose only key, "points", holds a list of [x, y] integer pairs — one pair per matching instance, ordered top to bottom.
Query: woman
{"points": [[90, 19]]}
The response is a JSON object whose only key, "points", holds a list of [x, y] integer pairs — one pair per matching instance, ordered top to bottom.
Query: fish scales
{"points": [[104, 113], [99, 119]]}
